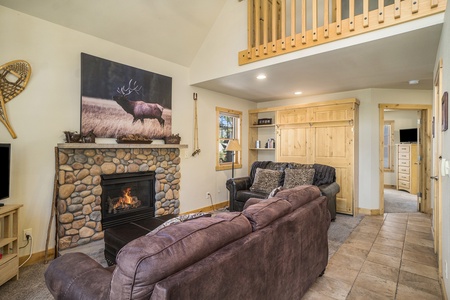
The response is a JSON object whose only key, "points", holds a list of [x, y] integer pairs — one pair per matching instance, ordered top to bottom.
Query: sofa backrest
{"points": [[323, 174], [299, 195], [266, 211], [148, 259], [278, 261]]}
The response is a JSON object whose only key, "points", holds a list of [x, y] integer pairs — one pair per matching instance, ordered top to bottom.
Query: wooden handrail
{"points": [[267, 23]]}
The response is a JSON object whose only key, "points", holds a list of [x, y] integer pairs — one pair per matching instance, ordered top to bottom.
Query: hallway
{"points": [[386, 257]]}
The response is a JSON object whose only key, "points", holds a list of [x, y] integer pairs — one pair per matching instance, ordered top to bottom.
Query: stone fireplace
{"points": [[83, 167]]}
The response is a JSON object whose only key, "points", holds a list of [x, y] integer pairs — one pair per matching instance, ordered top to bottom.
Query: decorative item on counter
{"points": [[265, 121], [72, 137], [89, 137], [133, 139], [172, 139], [270, 143]]}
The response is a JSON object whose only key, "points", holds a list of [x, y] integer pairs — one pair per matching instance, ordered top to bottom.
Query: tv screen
{"points": [[408, 135], [5, 163]]}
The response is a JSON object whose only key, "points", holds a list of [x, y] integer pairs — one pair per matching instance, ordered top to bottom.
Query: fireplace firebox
{"points": [[127, 197]]}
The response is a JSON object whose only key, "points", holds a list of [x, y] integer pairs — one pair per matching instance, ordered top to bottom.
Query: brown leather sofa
{"points": [[324, 178], [274, 249]]}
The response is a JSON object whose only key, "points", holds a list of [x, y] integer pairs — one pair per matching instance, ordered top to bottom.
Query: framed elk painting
{"points": [[121, 101]]}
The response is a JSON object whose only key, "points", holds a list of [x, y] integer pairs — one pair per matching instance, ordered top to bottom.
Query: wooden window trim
{"points": [[238, 154]]}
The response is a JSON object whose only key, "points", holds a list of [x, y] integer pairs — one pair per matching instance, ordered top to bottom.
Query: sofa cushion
{"points": [[296, 177], [265, 180], [300, 195], [266, 211], [150, 258]]}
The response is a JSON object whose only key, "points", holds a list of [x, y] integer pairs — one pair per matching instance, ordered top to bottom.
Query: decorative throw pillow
{"points": [[296, 177], [265, 180], [179, 219]]}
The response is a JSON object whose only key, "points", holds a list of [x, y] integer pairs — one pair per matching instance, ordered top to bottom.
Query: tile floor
{"points": [[385, 257]]}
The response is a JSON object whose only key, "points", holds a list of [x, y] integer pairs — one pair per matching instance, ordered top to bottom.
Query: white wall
{"points": [[444, 54], [50, 104], [368, 131]]}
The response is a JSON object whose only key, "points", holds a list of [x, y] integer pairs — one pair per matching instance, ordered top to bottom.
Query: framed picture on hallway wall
{"points": [[119, 100], [445, 111]]}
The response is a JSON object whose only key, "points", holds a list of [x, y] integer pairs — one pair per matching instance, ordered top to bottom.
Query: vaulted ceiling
{"points": [[148, 26]]}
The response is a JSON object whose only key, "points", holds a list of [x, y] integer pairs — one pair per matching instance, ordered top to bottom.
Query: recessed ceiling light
{"points": [[261, 76], [415, 81], [298, 93]]}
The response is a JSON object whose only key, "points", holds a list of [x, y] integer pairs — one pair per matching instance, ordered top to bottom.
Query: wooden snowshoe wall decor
{"points": [[13, 80]]}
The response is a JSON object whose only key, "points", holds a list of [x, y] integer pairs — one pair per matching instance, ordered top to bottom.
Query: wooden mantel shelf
{"points": [[119, 146]]}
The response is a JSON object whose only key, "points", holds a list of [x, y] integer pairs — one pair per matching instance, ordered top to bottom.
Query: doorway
{"points": [[404, 184]]}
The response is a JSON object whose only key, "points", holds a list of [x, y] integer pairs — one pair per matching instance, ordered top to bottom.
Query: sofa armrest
{"points": [[237, 184], [330, 191], [77, 276]]}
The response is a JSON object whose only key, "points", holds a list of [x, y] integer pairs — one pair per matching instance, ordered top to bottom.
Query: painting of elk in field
{"points": [[119, 100]]}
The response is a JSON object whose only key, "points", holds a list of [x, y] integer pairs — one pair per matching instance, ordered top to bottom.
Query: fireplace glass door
{"points": [[127, 197]]}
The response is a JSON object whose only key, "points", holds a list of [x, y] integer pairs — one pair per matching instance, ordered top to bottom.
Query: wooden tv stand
{"points": [[9, 242]]}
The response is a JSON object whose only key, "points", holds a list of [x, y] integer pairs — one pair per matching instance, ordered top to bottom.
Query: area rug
{"points": [[399, 201], [340, 230], [31, 283]]}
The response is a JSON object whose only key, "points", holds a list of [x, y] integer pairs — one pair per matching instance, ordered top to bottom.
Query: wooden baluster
{"points": [[434, 3], [415, 6], [397, 9], [381, 11], [365, 13], [351, 15], [338, 17], [293, 19], [314, 19], [326, 19], [303, 21], [283, 24], [265, 25], [274, 25], [257, 27], [250, 33]]}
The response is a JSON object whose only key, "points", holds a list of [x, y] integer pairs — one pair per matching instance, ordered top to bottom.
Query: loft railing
{"points": [[277, 27]]}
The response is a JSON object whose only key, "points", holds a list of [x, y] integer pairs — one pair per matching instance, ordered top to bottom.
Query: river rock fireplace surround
{"points": [[81, 169]]}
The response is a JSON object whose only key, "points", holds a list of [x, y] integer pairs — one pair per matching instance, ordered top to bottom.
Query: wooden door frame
{"points": [[425, 150], [437, 151]]}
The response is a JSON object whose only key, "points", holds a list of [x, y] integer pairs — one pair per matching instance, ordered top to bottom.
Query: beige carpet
{"points": [[399, 201], [31, 283]]}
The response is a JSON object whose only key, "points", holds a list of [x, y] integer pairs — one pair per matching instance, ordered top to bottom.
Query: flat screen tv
{"points": [[408, 135], [5, 165]]}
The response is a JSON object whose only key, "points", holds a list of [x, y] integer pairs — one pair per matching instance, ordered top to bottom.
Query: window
{"points": [[228, 127], [388, 146]]}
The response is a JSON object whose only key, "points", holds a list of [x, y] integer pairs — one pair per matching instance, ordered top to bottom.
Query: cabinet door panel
{"points": [[332, 113], [292, 116], [295, 145], [333, 146], [344, 199]]}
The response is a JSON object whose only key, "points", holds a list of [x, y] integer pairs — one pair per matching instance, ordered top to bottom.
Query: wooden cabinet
{"points": [[324, 133], [407, 168], [9, 244]]}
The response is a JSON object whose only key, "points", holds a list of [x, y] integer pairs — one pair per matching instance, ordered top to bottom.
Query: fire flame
{"points": [[125, 200]]}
